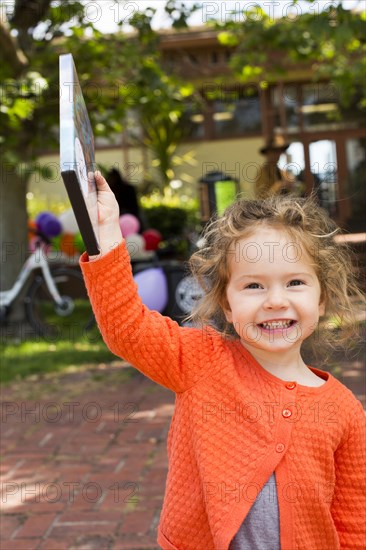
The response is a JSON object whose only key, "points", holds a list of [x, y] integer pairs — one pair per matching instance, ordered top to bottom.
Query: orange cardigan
{"points": [[234, 424]]}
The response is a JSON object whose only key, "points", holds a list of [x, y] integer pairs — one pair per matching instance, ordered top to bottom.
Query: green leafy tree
{"points": [[33, 34], [327, 41], [117, 73], [159, 101]]}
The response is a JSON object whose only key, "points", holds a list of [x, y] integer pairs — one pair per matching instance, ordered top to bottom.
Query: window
{"points": [[286, 100], [320, 106], [311, 107], [235, 116], [193, 122], [356, 167]]}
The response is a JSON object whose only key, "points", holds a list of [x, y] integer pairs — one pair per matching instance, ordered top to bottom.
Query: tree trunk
{"points": [[13, 229]]}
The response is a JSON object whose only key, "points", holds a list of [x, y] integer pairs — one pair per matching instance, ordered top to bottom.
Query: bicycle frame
{"points": [[37, 260]]}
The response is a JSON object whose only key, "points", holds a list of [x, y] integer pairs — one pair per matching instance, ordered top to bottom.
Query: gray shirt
{"points": [[260, 529]]}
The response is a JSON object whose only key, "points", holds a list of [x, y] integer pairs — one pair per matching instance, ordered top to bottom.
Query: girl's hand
{"points": [[110, 234]]}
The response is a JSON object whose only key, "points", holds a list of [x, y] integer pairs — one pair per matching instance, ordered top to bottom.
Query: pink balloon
{"points": [[129, 224]]}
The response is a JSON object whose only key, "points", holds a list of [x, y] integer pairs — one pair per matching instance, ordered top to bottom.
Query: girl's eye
{"points": [[296, 282], [253, 285]]}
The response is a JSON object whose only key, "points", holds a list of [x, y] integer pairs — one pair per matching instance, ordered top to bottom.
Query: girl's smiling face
{"points": [[273, 293]]}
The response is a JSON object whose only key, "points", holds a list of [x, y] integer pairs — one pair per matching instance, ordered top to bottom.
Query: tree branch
{"points": [[28, 13], [11, 56]]}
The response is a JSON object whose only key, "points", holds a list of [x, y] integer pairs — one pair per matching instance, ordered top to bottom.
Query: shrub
{"points": [[173, 221]]}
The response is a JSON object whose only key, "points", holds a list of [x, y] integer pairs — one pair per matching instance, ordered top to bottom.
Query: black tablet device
{"points": [[77, 158]]}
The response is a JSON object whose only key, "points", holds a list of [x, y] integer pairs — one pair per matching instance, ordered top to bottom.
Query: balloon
{"points": [[41, 216], [68, 222], [49, 224], [129, 224], [53, 228], [152, 238], [56, 242], [79, 243], [67, 245], [135, 245], [152, 288]]}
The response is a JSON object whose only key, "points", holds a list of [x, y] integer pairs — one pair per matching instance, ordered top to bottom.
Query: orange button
{"points": [[291, 385], [286, 413], [280, 447]]}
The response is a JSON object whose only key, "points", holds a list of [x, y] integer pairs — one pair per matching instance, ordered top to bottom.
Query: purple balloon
{"points": [[41, 216], [49, 224], [53, 228], [152, 288]]}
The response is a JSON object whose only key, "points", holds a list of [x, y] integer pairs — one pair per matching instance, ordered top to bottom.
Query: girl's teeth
{"points": [[277, 324]]}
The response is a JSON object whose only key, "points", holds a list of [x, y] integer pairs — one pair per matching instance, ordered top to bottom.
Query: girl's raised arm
{"points": [[169, 354]]}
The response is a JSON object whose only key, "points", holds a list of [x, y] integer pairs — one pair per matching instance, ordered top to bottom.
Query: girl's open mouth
{"points": [[278, 325]]}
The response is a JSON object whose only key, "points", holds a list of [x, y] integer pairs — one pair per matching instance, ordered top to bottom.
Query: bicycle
{"points": [[56, 302]]}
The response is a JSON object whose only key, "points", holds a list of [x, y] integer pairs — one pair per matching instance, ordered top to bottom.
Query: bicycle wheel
{"points": [[70, 321]]}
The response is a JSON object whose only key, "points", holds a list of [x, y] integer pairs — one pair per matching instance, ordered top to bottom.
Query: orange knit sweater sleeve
{"points": [[167, 353], [350, 491]]}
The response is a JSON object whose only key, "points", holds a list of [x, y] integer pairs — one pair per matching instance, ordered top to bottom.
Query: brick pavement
{"points": [[84, 458], [84, 461]]}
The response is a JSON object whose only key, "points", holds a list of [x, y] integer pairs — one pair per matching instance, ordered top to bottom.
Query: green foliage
{"points": [[179, 12], [329, 41], [116, 72], [159, 99], [30, 102], [174, 219], [169, 221]]}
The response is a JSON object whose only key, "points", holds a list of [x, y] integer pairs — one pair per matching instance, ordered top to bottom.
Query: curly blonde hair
{"points": [[307, 224]]}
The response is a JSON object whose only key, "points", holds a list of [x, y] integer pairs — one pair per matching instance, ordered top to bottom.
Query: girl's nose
{"points": [[276, 299]]}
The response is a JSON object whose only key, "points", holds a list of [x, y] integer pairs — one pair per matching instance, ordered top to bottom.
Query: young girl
{"points": [[264, 451]]}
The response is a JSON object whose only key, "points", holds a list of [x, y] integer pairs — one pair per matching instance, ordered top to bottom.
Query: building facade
{"points": [[230, 124]]}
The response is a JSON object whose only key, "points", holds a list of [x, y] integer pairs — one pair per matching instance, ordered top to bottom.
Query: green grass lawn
{"points": [[39, 356]]}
